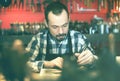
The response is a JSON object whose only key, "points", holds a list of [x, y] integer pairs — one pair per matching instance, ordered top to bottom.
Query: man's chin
{"points": [[60, 39]]}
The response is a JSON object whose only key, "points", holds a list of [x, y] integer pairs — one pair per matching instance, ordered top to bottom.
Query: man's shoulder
{"points": [[42, 33], [75, 33]]}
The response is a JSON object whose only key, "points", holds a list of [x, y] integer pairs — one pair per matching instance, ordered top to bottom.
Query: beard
{"points": [[60, 37]]}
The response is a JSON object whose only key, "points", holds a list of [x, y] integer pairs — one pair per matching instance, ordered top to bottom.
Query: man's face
{"points": [[58, 25]]}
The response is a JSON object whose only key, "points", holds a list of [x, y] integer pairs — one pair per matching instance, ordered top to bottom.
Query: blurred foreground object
{"points": [[18, 46], [13, 64], [105, 69]]}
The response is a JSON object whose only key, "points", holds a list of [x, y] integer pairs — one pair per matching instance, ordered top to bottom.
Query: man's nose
{"points": [[60, 30]]}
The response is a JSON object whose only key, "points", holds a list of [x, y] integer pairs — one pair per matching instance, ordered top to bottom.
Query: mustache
{"points": [[60, 35]]}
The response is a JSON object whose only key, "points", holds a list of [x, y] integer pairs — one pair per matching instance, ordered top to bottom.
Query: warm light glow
{"points": [[116, 7]]}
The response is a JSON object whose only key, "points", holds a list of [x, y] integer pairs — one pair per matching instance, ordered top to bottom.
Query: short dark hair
{"points": [[56, 7]]}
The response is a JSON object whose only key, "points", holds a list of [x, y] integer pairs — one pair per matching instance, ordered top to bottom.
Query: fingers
{"points": [[77, 54], [83, 57], [86, 57], [85, 61], [58, 62]]}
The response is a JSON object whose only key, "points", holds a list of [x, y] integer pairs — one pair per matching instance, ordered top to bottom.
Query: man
{"points": [[58, 40]]}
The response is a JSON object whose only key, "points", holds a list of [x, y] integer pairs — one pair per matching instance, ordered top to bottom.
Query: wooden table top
{"points": [[47, 75]]}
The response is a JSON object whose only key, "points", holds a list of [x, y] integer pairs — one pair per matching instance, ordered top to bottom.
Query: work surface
{"points": [[52, 74], [47, 75]]}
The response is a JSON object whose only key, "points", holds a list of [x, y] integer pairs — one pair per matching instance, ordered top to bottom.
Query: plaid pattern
{"points": [[39, 44]]}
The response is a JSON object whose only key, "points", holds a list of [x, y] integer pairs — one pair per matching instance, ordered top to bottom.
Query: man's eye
{"points": [[65, 25], [54, 27]]}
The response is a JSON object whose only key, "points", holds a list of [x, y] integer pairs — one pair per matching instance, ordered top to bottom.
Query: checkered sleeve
{"points": [[85, 44], [88, 45], [33, 49], [35, 66]]}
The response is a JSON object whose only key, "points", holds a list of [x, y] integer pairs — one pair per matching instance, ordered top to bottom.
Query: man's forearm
{"points": [[48, 64]]}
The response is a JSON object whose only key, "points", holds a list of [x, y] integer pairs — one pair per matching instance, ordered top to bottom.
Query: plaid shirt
{"points": [[38, 44]]}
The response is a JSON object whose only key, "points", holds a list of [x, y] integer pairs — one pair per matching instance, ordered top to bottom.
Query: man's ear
{"points": [[46, 24]]}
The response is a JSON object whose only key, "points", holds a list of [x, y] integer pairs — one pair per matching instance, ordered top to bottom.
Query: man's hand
{"points": [[86, 57], [57, 62]]}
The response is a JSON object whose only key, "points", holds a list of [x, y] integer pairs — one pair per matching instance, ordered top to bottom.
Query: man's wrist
{"points": [[48, 64]]}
